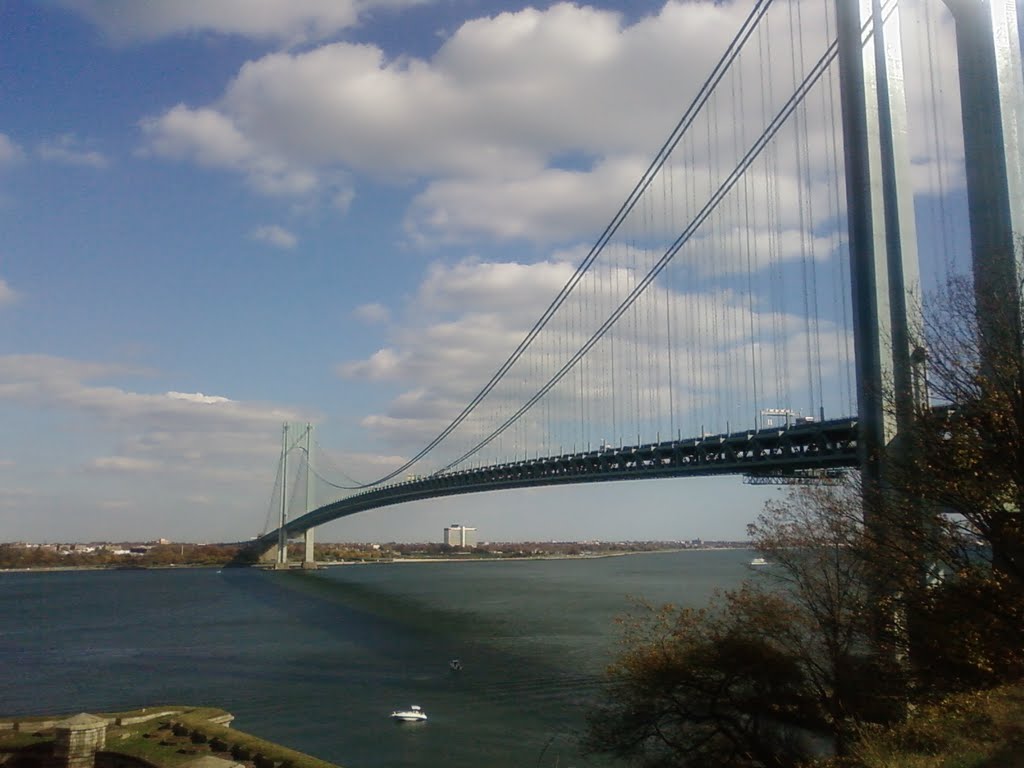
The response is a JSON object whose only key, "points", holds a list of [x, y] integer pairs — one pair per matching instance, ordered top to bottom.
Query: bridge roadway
{"points": [[761, 453]]}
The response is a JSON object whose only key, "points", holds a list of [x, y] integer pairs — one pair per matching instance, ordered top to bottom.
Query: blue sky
{"points": [[220, 216]]}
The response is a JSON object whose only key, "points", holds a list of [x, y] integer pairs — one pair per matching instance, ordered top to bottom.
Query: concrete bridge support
{"points": [[270, 557], [309, 561]]}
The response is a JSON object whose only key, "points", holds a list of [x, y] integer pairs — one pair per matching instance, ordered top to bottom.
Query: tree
{"points": [[969, 457], [954, 536], [938, 551], [769, 670], [698, 688]]}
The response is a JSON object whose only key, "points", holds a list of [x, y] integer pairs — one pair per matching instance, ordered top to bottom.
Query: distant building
{"points": [[457, 535]]}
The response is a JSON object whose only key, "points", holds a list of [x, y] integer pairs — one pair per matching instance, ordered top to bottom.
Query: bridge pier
{"points": [[270, 557], [309, 561]]}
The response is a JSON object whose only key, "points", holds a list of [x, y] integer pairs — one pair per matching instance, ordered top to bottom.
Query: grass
{"points": [[982, 729], [168, 740]]}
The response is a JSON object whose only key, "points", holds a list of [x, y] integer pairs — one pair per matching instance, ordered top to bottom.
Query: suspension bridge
{"points": [[752, 302]]}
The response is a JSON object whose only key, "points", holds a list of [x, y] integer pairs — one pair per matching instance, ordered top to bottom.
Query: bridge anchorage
{"points": [[768, 255]]}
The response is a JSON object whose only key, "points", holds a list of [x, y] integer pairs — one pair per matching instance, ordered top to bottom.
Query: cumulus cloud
{"points": [[286, 20], [493, 114], [525, 125], [210, 139], [69, 150], [551, 205], [272, 234], [492, 287], [727, 347], [381, 365], [164, 426], [167, 448]]}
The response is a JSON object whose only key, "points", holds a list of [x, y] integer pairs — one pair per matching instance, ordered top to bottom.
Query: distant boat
{"points": [[758, 561], [455, 665], [413, 714]]}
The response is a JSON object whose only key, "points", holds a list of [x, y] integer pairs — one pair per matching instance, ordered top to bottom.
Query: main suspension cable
{"points": [[708, 87], [763, 140]]}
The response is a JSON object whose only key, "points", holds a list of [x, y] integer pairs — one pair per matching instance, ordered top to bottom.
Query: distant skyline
{"points": [[218, 217]]}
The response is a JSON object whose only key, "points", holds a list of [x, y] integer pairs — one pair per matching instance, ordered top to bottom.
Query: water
{"points": [[317, 660]]}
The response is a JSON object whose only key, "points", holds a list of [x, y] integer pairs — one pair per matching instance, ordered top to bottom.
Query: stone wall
{"points": [[77, 740]]}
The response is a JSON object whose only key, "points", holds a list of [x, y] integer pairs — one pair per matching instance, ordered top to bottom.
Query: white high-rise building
{"points": [[457, 535]]}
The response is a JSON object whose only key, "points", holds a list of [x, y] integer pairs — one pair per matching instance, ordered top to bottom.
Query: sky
{"points": [[219, 217]]}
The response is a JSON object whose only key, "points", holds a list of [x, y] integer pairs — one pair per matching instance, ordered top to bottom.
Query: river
{"points": [[317, 660]]}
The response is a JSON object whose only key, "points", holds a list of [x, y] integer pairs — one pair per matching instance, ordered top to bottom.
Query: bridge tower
{"points": [[992, 104], [880, 212], [882, 232], [883, 250], [282, 534], [278, 554], [309, 559]]}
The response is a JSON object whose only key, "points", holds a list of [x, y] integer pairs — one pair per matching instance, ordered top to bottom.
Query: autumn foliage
{"points": [[876, 605]]}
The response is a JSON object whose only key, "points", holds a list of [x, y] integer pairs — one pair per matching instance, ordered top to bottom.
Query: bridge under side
{"points": [[818, 445]]}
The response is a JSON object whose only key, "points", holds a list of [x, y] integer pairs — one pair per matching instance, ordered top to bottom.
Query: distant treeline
{"points": [[18, 556], [112, 556]]}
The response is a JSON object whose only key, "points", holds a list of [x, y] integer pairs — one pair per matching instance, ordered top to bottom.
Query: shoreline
{"points": [[598, 556], [382, 561]]}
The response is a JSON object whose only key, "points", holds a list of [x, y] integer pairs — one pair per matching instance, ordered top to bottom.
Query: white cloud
{"points": [[286, 20], [494, 111], [528, 125], [210, 139], [68, 150], [10, 152], [343, 199], [551, 205], [272, 234], [504, 287], [7, 294], [372, 314], [467, 318], [382, 364], [198, 397], [171, 427], [166, 448]]}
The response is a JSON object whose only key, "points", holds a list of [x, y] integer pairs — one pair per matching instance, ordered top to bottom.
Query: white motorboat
{"points": [[758, 561], [455, 665], [413, 714]]}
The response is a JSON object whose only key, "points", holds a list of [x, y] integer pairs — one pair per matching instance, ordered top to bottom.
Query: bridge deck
{"points": [[815, 445]]}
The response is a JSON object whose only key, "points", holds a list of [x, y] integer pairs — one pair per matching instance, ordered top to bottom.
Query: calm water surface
{"points": [[317, 660]]}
